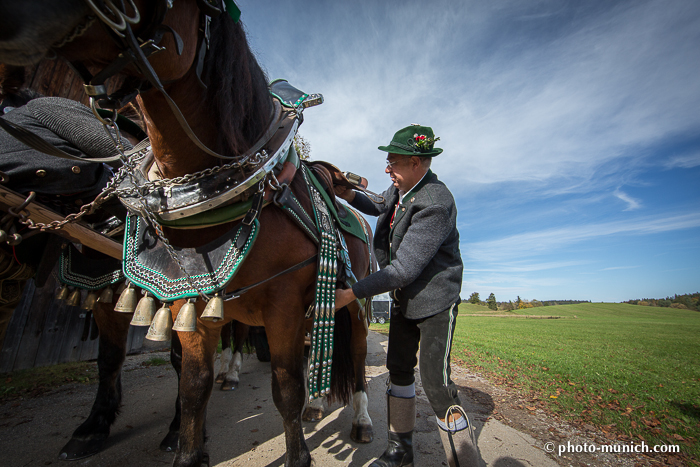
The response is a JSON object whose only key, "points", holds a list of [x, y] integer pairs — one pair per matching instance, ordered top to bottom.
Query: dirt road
{"points": [[245, 429]]}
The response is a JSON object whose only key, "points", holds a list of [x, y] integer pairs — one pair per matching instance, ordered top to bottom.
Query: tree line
{"points": [[689, 301], [518, 304]]}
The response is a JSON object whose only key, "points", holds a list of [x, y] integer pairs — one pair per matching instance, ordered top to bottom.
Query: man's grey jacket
{"points": [[419, 255]]}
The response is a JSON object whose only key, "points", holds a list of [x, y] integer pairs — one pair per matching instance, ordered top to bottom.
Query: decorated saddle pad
{"points": [[350, 223], [148, 264], [87, 273]]}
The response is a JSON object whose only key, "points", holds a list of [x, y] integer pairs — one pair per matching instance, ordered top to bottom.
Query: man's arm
{"points": [[361, 202], [429, 229]]}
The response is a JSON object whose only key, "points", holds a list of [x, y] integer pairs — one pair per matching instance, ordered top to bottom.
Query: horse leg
{"points": [[226, 354], [232, 378], [196, 382], [288, 386], [362, 431], [90, 437], [169, 443]]}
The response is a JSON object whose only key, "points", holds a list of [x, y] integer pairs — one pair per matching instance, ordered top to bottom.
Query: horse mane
{"points": [[237, 87]]}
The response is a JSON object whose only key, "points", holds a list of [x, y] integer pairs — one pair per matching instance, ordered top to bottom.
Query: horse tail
{"points": [[342, 369]]}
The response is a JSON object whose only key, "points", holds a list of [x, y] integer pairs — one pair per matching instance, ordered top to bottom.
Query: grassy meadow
{"points": [[630, 370]]}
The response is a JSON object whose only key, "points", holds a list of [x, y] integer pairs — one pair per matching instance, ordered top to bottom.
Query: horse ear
{"points": [[211, 8]]}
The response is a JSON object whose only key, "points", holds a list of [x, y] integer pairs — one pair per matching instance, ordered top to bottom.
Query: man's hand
{"points": [[348, 194], [343, 297]]}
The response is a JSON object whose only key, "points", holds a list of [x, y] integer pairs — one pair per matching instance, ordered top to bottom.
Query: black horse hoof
{"points": [[229, 385], [312, 414], [362, 434], [169, 443], [79, 449]]}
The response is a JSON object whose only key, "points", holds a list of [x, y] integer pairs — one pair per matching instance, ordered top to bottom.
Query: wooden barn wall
{"points": [[44, 331]]}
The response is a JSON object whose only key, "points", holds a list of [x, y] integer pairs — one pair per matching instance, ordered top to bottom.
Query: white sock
{"points": [[404, 392], [458, 425]]}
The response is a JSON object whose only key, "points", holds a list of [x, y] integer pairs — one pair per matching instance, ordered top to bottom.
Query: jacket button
{"points": [[75, 169], [41, 173], [403, 209]]}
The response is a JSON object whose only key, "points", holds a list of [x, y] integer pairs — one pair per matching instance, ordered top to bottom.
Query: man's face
{"points": [[401, 171]]}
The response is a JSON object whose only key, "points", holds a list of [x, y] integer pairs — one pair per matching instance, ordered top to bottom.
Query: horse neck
{"points": [[175, 153]]}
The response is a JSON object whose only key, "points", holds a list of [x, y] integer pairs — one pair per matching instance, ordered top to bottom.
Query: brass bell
{"points": [[121, 287], [62, 293], [106, 296], [74, 298], [90, 301], [127, 301], [145, 310], [214, 311], [186, 318], [161, 327]]}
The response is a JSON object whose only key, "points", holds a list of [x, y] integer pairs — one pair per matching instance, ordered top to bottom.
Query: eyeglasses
{"points": [[390, 164]]}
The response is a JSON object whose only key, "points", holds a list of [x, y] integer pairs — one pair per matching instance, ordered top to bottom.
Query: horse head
{"points": [[203, 62]]}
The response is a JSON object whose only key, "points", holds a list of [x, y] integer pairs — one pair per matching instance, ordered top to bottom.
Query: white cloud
{"points": [[552, 110], [684, 162], [632, 204], [534, 243], [615, 268]]}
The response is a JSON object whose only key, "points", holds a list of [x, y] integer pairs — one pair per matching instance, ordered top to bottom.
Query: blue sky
{"points": [[570, 129]]}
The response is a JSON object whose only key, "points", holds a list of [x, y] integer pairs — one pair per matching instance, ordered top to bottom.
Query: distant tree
{"points": [[302, 146], [474, 298], [491, 302], [519, 303], [536, 303], [508, 306]]}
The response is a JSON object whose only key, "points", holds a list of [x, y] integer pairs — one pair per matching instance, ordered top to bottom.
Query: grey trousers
{"points": [[434, 336]]}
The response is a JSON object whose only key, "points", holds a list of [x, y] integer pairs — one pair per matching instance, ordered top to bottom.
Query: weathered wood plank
{"points": [[75, 232], [15, 329], [33, 330]]}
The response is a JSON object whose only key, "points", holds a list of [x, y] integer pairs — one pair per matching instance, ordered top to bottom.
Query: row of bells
{"points": [[160, 321]]}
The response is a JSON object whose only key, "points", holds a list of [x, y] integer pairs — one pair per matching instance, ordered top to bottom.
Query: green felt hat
{"points": [[414, 140]]}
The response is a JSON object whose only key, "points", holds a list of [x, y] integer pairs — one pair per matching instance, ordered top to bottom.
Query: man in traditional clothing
{"points": [[417, 246]]}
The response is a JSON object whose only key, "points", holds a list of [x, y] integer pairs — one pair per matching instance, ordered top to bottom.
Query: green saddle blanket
{"points": [[351, 222]]}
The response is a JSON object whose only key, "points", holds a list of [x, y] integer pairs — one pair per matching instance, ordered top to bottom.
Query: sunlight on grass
{"points": [[628, 369]]}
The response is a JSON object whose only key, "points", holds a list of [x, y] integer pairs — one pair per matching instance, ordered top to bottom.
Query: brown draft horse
{"points": [[229, 116]]}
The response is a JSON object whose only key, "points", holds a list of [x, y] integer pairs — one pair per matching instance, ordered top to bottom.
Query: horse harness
{"points": [[238, 189]]}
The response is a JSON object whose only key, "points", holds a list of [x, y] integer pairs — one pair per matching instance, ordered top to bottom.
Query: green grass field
{"points": [[633, 371]]}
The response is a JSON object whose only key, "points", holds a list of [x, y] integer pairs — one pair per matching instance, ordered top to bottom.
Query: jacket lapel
{"points": [[407, 200]]}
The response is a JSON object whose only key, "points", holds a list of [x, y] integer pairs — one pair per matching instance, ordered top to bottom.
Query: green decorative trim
{"points": [[233, 11], [212, 217], [350, 224], [168, 289]]}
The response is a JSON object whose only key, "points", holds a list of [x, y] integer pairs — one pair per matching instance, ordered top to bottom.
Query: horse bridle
{"points": [[136, 50]]}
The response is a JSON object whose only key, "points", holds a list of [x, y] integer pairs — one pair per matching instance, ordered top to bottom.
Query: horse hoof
{"points": [[220, 378], [229, 385], [312, 414], [362, 434], [169, 443], [79, 449]]}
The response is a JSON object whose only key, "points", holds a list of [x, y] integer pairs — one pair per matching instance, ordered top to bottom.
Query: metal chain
{"points": [[153, 185], [107, 192]]}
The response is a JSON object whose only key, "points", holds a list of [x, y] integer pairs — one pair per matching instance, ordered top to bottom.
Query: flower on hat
{"points": [[423, 143]]}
